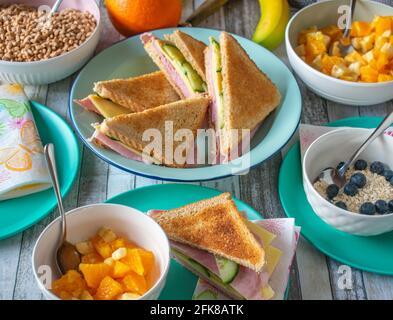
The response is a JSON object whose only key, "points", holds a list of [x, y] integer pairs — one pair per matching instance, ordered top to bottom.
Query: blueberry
{"points": [[340, 165], [360, 165], [377, 167], [388, 174], [359, 179], [350, 189], [332, 191], [341, 205], [390, 205], [381, 206], [367, 208]]}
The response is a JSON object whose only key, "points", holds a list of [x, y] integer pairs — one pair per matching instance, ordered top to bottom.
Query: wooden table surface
{"points": [[313, 276]]}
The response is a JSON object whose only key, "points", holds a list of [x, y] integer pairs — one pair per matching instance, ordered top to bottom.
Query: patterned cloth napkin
{"points": [[23, 168]]}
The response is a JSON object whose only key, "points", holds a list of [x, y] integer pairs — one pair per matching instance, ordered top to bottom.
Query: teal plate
{"points": [[128, 58], [18, 214], [373, 254], [181, 282]]}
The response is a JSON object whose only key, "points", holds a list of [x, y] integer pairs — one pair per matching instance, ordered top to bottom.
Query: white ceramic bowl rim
{"points": [[29, 63], [319, 73], [349, 213], [163, 273]]}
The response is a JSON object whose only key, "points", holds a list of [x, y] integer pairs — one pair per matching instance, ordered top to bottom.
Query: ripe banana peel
{"points": [[270, 30]]}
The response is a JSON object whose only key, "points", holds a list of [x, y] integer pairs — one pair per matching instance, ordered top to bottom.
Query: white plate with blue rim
{"points": [[128, 58]]}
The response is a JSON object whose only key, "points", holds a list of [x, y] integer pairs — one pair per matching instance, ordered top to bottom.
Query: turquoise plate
{"points": [[128, 58], [18, 214], [373, 254], [181, 282]]}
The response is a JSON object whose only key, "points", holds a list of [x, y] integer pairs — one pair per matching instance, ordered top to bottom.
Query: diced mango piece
{"points": [[382, 24], [361, 29], [333, 32], [302, 39], [316, 45], [328, 62], [383, 62], [368, 74], [384, 77], [102, 247], [92, 258], [134, 260], [147, 260], [120, 269], [94, 273], [135, 283], [69, 286], [109, 289]]}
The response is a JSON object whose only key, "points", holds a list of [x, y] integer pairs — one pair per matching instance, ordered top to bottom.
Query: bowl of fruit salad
{"points": [[362, 77], [364, 206], [124, 256]]}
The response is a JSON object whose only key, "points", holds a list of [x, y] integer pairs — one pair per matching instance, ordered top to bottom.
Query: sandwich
{"points": [[181, 58], [242, 95], [122, 96], [129, 134], [215, 241]]}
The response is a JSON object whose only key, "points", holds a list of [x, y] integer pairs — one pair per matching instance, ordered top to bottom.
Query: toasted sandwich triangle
{"points": [[192, 49], [139, 93], [249, 95], [130, 128], [214, 225]]}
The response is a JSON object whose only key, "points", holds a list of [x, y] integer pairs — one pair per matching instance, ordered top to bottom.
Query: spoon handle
{"points": [[56, 6], [348, 26], [378, 131], [51, 161]]}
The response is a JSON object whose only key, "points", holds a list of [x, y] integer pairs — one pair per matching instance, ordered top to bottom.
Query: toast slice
{"points": [[192, 50], [139, 93], [249, 95], [132, 129], [214, 225]]}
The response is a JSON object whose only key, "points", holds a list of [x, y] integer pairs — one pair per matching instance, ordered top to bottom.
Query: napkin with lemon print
{"points": [[23, 168]]}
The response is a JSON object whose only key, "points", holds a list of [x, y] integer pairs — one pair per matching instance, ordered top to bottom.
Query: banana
{"points": [[271, 27], [277, 36]]}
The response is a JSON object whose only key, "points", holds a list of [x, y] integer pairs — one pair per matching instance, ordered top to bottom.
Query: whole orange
{"points": [[131, 17]]}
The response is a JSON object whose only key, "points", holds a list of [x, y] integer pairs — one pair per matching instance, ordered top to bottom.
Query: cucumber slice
{"points": [[173, 53], [217, 53], [193, 77], [188, 261], [228, 269], [206, 295]]}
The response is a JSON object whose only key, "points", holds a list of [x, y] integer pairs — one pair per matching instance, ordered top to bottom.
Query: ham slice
{"points": [[167, 64], [87, 104], [103, 140]]}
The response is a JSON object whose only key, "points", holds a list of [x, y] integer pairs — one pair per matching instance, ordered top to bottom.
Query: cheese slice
{"points": [[108, 108], [266, 236], [273, 256], [267, 292]]}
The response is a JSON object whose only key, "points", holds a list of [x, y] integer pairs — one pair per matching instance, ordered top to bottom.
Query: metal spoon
{"points": [[56, 6], [345, 44], [332, 175], [67, 257]]}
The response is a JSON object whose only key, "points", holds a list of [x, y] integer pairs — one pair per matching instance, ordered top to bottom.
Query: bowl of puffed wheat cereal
{"points": [[37, 47], [364, 205]]}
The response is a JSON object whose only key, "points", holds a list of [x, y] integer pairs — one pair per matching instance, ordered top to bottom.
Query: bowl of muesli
{"points": [[364, 206]]}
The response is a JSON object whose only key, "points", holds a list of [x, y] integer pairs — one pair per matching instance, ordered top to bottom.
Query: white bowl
{"points": [[322, 14], [57, 68], [327, 151], [84, 222]]}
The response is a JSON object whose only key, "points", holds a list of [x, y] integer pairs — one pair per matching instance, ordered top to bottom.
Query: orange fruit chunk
{"points": [[130, 17], [382, 24], [361, 29], [333, 32], [302, 39], [328, 62], [383, 62], [368, 74], [384, 77], [120, 243], [103, 248], [91, 258], [134, 260], [147, 260], [120, 269], [94, 273], [135, 283], [69, 286], [108, 289]]}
